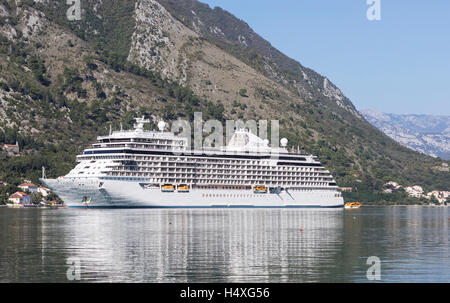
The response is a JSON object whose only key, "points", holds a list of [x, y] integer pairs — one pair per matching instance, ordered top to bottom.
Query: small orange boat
{"points": [[352, 205]]}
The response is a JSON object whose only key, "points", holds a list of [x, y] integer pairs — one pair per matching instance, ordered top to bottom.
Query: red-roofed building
{"points": [[12, 149], [3, 183], [30, 187], [19, 198]]}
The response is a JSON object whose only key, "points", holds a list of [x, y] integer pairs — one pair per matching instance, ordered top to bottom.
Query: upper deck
{"points": [[242, 144]]}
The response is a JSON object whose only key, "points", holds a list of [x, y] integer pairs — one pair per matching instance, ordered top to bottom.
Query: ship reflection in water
{"points": [[204, 245], [237, 245]]}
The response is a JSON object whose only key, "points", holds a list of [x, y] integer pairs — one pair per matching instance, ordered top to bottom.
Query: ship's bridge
{"points": [[138, 138]]}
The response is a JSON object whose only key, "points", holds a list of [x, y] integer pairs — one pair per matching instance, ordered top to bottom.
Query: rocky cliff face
{"points": [[236, 37], [158, 40], [162, 43], [424, 133]]}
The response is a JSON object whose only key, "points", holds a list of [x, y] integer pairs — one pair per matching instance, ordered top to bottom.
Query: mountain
{"points": [[237, 38], [64, 82], [428, 134]]}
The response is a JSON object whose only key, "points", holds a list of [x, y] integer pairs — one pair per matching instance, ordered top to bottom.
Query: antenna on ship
{"points": [[139, 126], [121, 128], [110, 129], [43, 173]]}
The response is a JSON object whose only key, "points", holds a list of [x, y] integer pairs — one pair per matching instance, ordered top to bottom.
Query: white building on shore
{"points": [[391, 187], [415, 191], [45, 192], [441, 196]]}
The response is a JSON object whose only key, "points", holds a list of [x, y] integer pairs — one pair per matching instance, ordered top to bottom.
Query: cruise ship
{"points": [[156, 169]]}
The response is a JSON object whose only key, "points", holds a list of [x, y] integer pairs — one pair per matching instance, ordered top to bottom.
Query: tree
{"points": [[243, 92], [2, 136], [6, 191], [3, 197], [36, 199], [433, 200]]}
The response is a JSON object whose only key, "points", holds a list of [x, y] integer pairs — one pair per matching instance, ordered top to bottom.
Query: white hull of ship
{"points": [[121, 194]]}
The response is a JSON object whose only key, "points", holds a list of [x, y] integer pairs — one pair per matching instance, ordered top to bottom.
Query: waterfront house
{"points": [[30, 187], [415, 191], [441, 196], [20, 198], [15, 199]]}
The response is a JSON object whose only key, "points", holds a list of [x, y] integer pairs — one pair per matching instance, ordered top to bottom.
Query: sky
{"points": [[398, 64]]}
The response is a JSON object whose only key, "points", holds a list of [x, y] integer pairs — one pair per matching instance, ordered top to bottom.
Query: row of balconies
{"points": [[208, 162], [260, 169], [216, 172], [219, 177], [227, 182]]}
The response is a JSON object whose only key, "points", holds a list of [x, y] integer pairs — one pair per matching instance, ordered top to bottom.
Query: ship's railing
{"points": [[136, 135]]}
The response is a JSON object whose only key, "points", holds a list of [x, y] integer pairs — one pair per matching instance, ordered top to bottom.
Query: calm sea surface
{"points": [[230, 245]]}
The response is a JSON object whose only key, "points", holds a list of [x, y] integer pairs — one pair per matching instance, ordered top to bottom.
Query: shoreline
{"points": [[32, 207]]}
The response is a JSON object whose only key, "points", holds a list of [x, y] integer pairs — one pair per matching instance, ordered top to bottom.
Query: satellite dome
{"points": [[161, 125], [266, 142], [284, 142]]}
